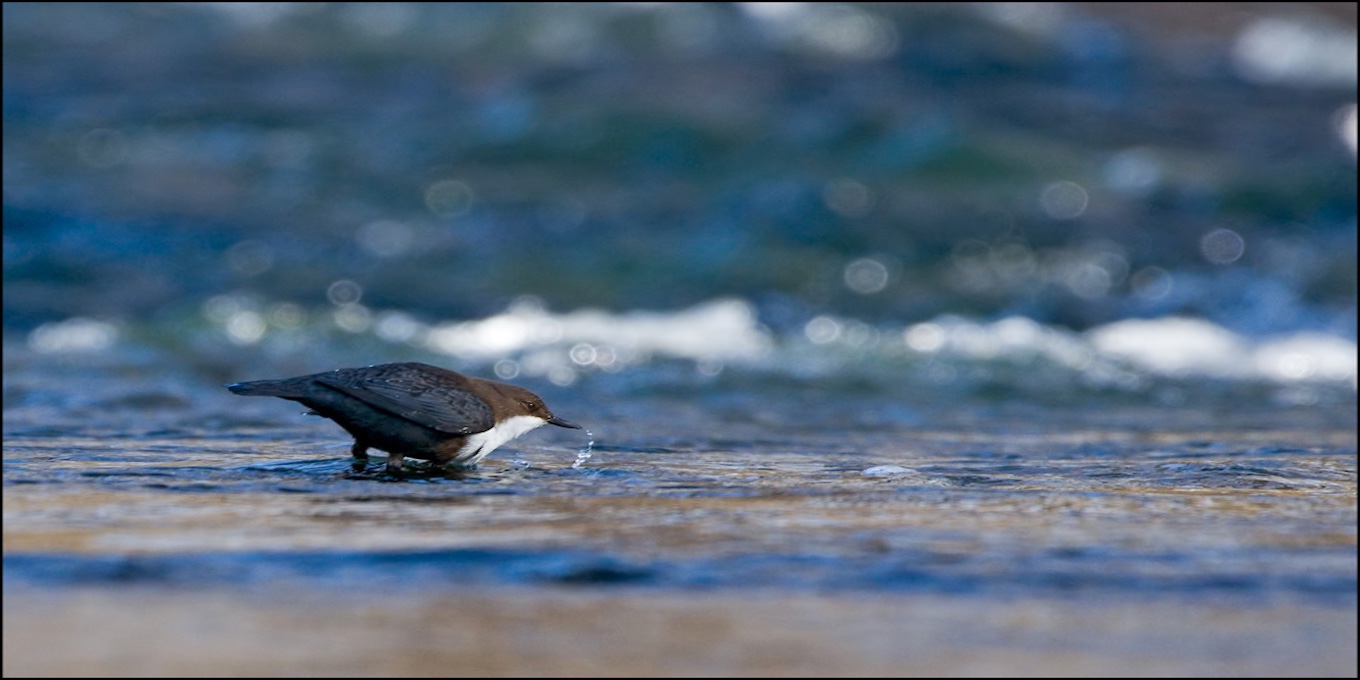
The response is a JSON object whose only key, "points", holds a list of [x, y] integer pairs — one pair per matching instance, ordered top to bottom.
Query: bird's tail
{"points": [[268, 388]]}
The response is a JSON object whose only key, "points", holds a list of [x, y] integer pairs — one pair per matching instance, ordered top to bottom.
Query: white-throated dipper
{"points": [[414, 409]]}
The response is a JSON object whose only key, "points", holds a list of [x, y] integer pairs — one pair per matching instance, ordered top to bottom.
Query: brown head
{"points": [[519, 401]]}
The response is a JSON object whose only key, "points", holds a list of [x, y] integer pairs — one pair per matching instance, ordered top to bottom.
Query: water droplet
{"points": [[584, 454]]}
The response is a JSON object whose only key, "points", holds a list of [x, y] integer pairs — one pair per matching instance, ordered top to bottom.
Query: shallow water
{"points": [[1105, 511], [992, 539]]}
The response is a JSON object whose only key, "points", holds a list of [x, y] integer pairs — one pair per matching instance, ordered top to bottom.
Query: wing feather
{"points": [[422, 394]]}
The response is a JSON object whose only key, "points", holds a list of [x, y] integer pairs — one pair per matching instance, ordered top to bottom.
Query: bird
{"points": [[414, 410]]}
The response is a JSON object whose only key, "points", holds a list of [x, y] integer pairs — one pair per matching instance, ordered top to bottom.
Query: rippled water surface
{"points": [[1097, 511], [1067, 539]]}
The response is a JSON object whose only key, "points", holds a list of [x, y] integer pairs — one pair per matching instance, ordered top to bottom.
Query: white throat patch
{"points": [[480, 444]]}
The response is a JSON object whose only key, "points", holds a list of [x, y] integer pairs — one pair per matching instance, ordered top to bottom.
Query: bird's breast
{"points": [[477, 446]]}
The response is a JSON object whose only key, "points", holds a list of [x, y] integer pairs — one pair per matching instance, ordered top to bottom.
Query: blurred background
{"points": [[560, 190]]}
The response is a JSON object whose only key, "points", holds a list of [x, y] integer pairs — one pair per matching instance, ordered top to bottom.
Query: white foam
{"points": [[721, 330], [726, 332], [1174, 346], [1182, 347]]}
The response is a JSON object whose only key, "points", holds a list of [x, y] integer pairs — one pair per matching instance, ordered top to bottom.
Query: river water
{"points": [[908, 338], [730, 517]]}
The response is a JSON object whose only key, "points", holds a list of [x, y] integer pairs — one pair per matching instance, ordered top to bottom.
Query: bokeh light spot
{"points": [[1133, 172], [449, 198], [848, 198], [1064, 200], [385, 238], [1222, 246], [250, 257], [866, 276], [1089, 280], [1152, 283], [344, 292], [287, 315], [353, 318], [394, 326], [246, 327], [822, 329], [925, 337], [583, 354], [506, 369], [561, 375]]}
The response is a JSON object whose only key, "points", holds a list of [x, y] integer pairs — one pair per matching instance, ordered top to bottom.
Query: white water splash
{"points": [[584, 454]]}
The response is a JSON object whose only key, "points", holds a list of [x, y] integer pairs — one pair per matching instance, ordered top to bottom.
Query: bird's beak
{"points": [[563, 423]]}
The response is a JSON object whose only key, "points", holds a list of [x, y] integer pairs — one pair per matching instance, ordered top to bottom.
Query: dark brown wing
{"points": [[421, 394]]}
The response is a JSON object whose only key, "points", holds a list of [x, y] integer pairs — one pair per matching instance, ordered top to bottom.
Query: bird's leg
{"points": [[360, 453], [394, 462]]}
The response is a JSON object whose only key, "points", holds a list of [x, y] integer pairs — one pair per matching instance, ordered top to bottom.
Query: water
{"points": [[909, 338], [584, 454], [782, 500], [1093, 513]]}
